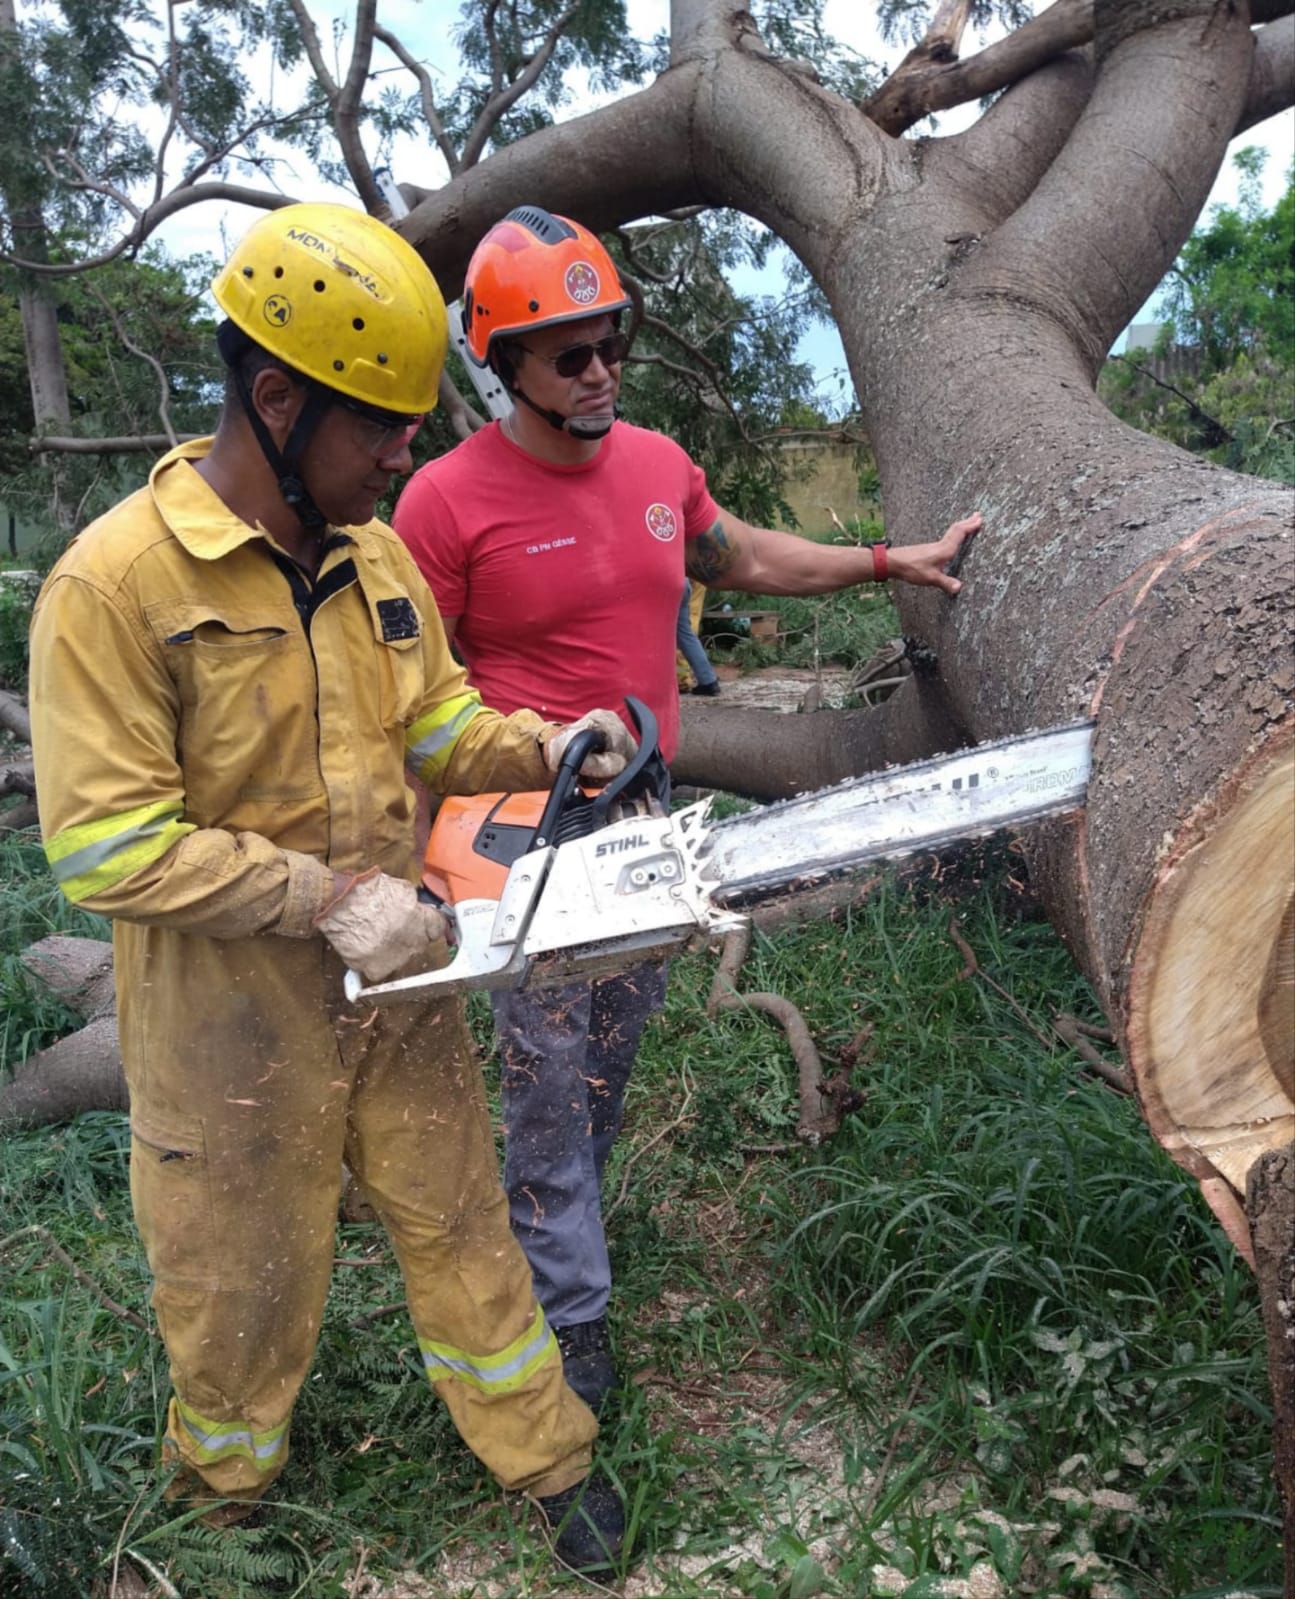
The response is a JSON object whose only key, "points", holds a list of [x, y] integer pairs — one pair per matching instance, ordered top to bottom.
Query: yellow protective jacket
{"points": [[214, 734], [199, 752]]}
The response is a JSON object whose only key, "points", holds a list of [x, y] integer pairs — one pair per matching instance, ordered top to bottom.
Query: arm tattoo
{"points": [[710, 555]]}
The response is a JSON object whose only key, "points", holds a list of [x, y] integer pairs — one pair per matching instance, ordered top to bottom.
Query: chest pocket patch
{"points": [[398, 620], [245, 682]]}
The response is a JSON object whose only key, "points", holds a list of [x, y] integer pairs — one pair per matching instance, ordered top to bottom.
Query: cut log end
{"points": [[1211, 1020]]}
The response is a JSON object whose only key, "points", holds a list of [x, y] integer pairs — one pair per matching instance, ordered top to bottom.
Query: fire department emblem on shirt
{"points": [[581, 283], [660, 522]]}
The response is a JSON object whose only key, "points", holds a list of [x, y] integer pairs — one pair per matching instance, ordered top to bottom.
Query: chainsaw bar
{"points": [[890, 814], [646, 885]]}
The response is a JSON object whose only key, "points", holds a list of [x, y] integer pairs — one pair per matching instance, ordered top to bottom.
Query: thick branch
{"points": [[1272, 74], [923, 83], [345, 100], [1000, 159], [578, 167], [151, 218], [1095, 236], [125, 445], [767, 754], [18, 779], [19, 816], [80, 1072]]}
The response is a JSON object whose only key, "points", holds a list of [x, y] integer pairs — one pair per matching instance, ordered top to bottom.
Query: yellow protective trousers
{"points": [[250, 1081]]}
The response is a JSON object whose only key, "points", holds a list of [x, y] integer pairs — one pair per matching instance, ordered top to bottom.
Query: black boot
{"points": [[708, 689], [587, 1360], [588, 1524]]}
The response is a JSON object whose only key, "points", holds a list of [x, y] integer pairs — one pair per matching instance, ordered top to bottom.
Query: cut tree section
{"points": [[1212, 1003]]}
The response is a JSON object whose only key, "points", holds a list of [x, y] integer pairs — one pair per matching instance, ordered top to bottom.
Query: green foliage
{"points": [[596, 48], [1233, 286], [114, 323], [713, 368], [1221, 380], [15, 620]]}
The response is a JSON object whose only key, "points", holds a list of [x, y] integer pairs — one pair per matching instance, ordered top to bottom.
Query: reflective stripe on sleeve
{"points": [[430, 741], [94, 856], [493, 1374], [222, 1440]]}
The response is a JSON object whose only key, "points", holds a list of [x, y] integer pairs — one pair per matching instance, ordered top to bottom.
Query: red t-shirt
{"points": [[565, 580]]}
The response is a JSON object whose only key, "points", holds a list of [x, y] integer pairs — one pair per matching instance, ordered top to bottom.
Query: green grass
{"points": [[988, 1326]]}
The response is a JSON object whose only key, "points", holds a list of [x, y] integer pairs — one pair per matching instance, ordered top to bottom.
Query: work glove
{"points": [[605, 763], [379, 926]]}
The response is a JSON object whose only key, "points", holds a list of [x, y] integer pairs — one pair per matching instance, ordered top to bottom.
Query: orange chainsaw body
{"points": [[475, 838]]}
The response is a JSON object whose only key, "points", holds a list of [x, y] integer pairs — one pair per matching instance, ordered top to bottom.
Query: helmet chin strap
{"points": [[590, 425], [285, 463]]}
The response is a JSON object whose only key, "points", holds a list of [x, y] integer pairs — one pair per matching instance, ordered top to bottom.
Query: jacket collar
{"points": [[196, 514]]}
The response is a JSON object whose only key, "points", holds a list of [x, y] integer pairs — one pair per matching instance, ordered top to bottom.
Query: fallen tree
{"points": [[978, 282]]}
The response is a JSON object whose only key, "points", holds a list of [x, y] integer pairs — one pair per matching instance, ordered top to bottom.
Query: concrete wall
{"points": [[832, 480]]}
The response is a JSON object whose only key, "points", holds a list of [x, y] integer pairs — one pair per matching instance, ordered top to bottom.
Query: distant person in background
{"points": [[691, 647]]}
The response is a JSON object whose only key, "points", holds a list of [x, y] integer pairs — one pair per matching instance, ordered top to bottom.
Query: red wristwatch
{"points": [[879, 560]]}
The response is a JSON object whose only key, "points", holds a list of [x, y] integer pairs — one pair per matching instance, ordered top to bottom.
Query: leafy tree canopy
{"points": [[1233, 286], [1222, 378]]}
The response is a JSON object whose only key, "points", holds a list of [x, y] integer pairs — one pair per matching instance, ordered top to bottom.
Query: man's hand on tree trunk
{"points": [[934, 564]]}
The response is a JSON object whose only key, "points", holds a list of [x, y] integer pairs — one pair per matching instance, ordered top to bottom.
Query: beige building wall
{"points": [[826, 473]]}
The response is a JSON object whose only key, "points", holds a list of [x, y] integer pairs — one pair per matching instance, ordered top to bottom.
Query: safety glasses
{"points": [[570, 363], [380, 433]]}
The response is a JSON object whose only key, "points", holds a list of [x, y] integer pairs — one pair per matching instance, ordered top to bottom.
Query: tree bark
{"points": [[46, 371], [82, 1071]]}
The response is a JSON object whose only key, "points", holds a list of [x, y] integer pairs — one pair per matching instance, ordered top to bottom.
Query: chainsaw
{"points": [[579, 882]]}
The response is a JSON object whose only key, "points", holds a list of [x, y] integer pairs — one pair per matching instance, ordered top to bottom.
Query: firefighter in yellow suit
{"points": [[231, 673]]}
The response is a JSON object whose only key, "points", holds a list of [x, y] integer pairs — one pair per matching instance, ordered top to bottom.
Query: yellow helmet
{"points": [[341, 298]]}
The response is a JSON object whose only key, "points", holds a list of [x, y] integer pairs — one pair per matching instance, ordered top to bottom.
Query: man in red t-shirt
{"points": [[556, 544]]}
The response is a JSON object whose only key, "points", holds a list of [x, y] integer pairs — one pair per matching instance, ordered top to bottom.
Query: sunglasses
{"points": [[570, 363], [379, 433]]}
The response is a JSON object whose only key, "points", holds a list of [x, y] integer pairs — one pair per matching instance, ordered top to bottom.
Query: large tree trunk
{"points": [[978, 283], [1116, 576]]}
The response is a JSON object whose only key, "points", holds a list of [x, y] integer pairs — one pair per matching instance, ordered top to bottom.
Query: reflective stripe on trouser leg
{"points": [[566, 1056], [238, 1110], [421, 1144], [211, 1442]]}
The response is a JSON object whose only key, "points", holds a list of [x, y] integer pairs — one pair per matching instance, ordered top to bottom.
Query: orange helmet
{"points": [[532, 270]]}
